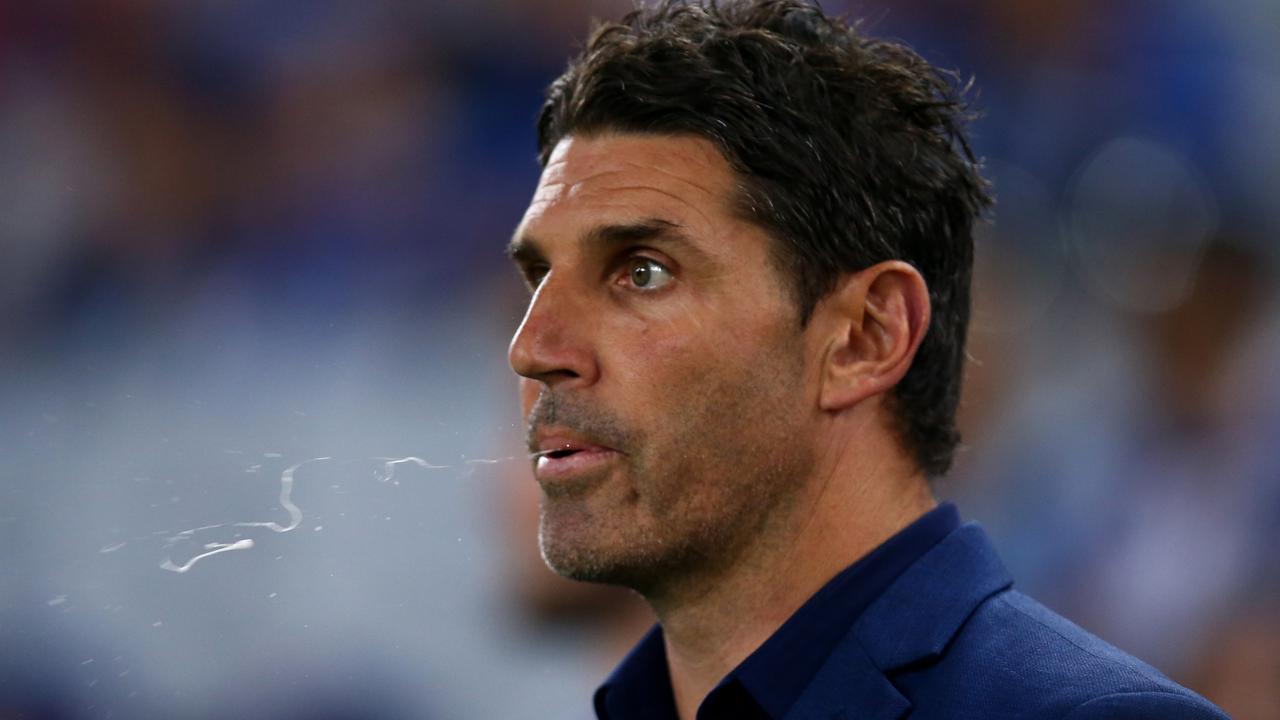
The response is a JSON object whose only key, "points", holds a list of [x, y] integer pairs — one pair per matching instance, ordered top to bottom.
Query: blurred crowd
{"points": [[242, 232]]}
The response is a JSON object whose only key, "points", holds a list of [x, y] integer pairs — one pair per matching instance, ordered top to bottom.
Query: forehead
{"points": [[683, 179]]}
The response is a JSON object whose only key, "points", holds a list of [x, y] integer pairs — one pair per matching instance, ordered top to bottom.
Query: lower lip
{"points": [[550, 468]]}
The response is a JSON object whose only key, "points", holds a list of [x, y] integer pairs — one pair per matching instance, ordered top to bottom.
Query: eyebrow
{"points": [[526, 250]]}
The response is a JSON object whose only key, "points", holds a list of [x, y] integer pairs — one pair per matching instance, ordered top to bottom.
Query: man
{"points": [[749, 254]]}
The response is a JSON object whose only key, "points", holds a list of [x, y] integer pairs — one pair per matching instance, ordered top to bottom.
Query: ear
{"points": [[873, 323]]}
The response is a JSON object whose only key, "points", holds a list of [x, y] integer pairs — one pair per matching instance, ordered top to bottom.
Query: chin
{"points": [[585, 559], [586, 567]]}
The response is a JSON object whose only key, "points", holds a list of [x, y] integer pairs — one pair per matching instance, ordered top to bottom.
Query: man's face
{"points": [[664, 369]]}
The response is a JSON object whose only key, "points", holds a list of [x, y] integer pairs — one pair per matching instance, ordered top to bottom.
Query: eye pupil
{"points": [[640, 275]]}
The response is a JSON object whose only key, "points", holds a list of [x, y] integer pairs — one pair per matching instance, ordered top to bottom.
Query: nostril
{"points": [[550, 351], [537, 359]]}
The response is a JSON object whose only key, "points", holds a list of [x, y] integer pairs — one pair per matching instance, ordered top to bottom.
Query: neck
{"points": [[711, 624]]}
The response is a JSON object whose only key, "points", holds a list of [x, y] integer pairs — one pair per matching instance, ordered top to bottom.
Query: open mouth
{"points": [[566, 462]]}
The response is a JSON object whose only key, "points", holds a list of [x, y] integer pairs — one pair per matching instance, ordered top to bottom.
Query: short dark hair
{"points": [[850, 151]]}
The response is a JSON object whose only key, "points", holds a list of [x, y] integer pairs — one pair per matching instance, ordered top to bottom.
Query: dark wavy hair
{"points": [[850, 151]]}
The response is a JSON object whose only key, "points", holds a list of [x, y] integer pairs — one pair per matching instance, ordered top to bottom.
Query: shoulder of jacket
{"points": [[1161, 704]]}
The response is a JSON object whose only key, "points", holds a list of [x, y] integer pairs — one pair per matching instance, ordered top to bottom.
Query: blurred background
{"points": [[251, 255]]}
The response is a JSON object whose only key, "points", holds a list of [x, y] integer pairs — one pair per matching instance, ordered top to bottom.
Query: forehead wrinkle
{"points": [[680, 152], [702, 166], [645, 167], [677, 176], [612, 182], [549, 188], [612, 196], [674, 196]]}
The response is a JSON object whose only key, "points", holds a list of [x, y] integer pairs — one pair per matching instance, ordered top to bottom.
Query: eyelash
{"points": [[627, 267], [535, 273]]}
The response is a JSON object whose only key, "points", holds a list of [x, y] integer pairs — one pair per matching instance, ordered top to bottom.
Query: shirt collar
{"points": [[780, 669], [775, 675], [640, 687]]}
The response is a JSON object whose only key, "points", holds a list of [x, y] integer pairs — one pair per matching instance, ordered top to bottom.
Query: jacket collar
{"points": [[911, 622]]}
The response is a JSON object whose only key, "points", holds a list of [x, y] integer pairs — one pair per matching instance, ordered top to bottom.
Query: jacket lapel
{"points": [[924, 608], [912, 622], [849, 686]]}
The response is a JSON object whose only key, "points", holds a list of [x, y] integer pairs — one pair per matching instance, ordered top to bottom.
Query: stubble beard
{"points": [[681, 507]]}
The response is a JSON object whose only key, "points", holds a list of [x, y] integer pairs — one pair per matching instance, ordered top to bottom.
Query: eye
{"points": [[647, 274], [533, 275]]}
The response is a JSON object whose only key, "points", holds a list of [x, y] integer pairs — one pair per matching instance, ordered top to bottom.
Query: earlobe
{"points": [[877, 318]]}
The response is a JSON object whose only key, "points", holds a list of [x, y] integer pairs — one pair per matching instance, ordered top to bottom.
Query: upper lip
{"points": [[553, 439]]}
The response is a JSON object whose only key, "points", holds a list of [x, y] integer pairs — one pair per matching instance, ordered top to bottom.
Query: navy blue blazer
{"points": [[951, 639]]}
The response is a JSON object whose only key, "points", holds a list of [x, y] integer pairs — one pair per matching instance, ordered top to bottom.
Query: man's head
{"points": [[751, 218]]}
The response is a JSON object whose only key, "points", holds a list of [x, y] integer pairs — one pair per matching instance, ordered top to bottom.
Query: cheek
{"points": [[680, 354], [695, 358], [653, 367]]}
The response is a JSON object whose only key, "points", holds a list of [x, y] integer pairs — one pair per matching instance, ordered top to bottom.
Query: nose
{"points": [[553, 343]]}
